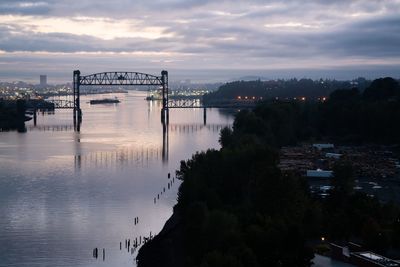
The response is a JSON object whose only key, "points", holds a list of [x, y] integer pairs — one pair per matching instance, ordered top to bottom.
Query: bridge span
{"points": [[118, 78], [125, 78]]}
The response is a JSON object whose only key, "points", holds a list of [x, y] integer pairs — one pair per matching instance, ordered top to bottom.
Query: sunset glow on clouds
{"points": [[102, 28], [200, 34]]}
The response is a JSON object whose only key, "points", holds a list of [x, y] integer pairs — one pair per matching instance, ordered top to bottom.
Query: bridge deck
{"points": [[214, 106]]}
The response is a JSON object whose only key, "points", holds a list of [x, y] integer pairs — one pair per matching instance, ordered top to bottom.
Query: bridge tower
{"points": [[164, 110], [77, 114]]}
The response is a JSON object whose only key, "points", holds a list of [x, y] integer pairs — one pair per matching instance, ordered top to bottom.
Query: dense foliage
{"points": [[12, 115], [347, 117], [368, 117], [238, 209], [355, 216]]}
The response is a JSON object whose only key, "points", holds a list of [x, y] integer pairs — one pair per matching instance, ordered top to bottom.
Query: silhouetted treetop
{"points": [[382, 89]]}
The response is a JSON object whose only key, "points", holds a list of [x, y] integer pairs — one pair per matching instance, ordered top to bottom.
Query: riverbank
{"points": [[12, 115], [66, 192], [238, 208], [229, 216], [166, 248]]}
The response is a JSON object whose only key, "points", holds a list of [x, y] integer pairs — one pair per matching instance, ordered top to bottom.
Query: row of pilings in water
{"points": [[169, 186], [133, 245], [96, 253]]}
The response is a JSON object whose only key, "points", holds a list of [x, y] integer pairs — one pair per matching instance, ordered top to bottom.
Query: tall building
{"points": [[43, 80]]}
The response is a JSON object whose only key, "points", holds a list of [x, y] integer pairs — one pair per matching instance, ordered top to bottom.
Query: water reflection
{"points": [[174, 127], [195, 127], [51, 128], [165, 143], [78, 152], [139, 156], [63, 193]]}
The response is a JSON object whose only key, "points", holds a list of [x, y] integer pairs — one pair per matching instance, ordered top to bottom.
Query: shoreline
{"points": [[165, 249]]}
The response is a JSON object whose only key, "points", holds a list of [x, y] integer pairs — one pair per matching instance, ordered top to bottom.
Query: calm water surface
{"points": [[64, 193]]}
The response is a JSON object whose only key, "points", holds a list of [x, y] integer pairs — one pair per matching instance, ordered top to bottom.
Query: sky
{"points": [[200, 39]]}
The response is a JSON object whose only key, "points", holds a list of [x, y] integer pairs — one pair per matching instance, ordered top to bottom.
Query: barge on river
{"points": [[104, 101]]}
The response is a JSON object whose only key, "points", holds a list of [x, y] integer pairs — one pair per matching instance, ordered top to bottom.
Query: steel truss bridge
{"points": [[117, 78], [120, 78], [62, 103]]}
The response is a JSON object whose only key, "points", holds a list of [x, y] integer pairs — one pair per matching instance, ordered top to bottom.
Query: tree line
{"points": [[290, 88], [12, 115], [236, 208]]}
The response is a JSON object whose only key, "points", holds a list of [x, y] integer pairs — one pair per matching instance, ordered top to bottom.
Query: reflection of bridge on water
{"points": [[123, 79], [195, 127], [51, 128], [173, 128], [140, 156]]}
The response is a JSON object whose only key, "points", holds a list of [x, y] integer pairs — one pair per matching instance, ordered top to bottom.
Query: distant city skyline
{"points": [[224, 39], [217, 76]]}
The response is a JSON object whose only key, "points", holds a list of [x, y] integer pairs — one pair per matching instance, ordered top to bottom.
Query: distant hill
{"points": [[253, 78], [292, 88]]}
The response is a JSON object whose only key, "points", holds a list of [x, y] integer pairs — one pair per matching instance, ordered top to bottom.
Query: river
{"points": [[64, 193]]}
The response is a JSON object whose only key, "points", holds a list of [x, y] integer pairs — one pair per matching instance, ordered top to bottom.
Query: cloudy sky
{"points": [[244, 37]]}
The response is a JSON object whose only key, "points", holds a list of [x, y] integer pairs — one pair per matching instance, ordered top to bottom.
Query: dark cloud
{"points": [[24, 7], [219, 33], [376, 37], [69, 43]]}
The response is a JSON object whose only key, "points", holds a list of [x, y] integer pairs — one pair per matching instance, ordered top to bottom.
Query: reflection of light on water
{"points": [[52, 128], [192, 128], [143, 157], [69, 192]]}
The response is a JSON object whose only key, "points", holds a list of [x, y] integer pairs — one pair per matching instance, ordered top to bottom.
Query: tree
{"points": [[382, 89], [226, 137], [343, 178]]}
